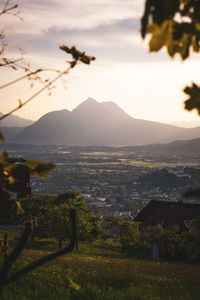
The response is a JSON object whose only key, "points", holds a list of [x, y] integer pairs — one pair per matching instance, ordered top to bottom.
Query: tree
{"points": [[175, 24], [34, 209], [57, 224], [88, 224], [126, 232], [168, 240]]}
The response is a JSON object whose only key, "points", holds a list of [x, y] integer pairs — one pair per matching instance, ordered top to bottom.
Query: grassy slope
{"points": [[103, 274]]}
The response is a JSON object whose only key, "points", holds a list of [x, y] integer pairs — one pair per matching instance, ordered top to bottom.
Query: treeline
{"points": [[50, 216]]}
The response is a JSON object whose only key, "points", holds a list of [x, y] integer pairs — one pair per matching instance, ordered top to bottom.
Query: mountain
{"points": [[15, 121], [94, 123], [186, 124], [57, 127], [10, 133], [190, 147]]}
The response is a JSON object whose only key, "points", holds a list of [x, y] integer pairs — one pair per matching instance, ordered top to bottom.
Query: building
{"points": [[18, 190], [168, 213]]}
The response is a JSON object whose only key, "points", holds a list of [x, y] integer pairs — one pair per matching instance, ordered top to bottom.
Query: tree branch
{"points": [[7, 9], [26, 76], [21, 104], [47, 258], [10, 259]]}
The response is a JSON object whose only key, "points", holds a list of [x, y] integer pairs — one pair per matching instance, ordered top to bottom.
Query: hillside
{"points": [[15, 121], [93, 123], [186, 147], [101, 273]]}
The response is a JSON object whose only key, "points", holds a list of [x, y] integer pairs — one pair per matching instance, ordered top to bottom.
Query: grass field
{"points": [[102, 274]]}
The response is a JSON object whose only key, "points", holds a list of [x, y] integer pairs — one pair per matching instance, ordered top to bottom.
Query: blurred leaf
{"points": [[178, 35], [159, 36], [195, 44], [77, 55], [87, 59], [193, 102], [2, 137], [4, 158], [39, 168], [11, 180], [19, 209], [71, 284]]}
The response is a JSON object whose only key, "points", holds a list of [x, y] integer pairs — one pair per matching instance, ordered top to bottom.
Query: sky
{"points": [[146, 85]]}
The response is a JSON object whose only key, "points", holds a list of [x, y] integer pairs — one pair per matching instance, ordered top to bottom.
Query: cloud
{"points": [[105, 29]]}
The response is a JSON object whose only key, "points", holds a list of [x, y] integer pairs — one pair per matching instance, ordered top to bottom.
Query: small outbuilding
{"points": [[167, 214]]}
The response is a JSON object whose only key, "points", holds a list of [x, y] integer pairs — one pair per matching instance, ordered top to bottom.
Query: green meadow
{"points": [[97, 271]]}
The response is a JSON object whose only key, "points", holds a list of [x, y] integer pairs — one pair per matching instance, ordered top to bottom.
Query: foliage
{"points": [[175, 24], [77, 55], [193, 101], [39, 168], [7, 171], [34, 209], [50, 215], [56, 223], [88, 224], [126, 232], [191, 240], [176, 244], [7, 277]]}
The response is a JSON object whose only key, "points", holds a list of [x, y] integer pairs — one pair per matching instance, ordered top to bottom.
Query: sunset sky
{"points": [[147, 86]]}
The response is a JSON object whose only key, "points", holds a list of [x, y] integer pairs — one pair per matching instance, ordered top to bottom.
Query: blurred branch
{"points": [[8, 8], [77, 56], [26, 76], [21, 104], [4, 280]]}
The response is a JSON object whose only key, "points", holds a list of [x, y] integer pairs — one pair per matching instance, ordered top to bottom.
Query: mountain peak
{"points": [[90, 100], [86, 105], [112, 107]]}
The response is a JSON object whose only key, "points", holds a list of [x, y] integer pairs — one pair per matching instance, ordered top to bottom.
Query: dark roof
{"points": [[13, 160], [168, 213]]}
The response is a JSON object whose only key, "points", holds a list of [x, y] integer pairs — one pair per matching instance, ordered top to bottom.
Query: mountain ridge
{"points": [[15, 121], [93, 123]]}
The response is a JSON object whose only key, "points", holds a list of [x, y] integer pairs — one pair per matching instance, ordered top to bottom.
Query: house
{"points": [[18, 190], [167, 214]]}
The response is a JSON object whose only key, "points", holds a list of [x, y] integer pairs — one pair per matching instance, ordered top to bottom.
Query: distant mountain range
{"points": [[15, 121], [93, 123], [186, 124], [189, 147]]}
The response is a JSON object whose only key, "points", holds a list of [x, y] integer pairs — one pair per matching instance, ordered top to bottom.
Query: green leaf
{"points": [[159, 35], [195, 44], [193, 102], [39, 168], [19, 209], [71, 284]]}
